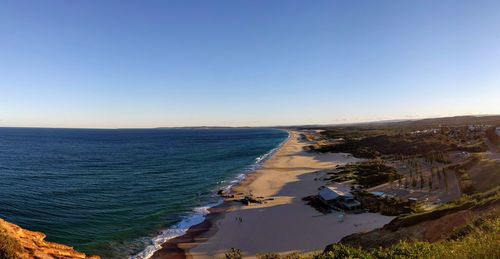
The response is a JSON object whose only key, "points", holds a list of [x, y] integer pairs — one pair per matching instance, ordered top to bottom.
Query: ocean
{"points": [[121, 193]]}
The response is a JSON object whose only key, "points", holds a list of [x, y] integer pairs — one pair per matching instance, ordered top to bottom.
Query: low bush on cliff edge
{"points": [[481, 242], [9, 247]]}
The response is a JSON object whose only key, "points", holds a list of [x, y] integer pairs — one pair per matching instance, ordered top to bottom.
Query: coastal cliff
{"points": [[16, 242]]}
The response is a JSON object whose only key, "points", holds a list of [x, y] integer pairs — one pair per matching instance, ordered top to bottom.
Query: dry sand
{"points": [[286, 223]]}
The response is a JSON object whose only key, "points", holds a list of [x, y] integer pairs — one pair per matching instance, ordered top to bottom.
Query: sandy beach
{"points": [[284, 224]]}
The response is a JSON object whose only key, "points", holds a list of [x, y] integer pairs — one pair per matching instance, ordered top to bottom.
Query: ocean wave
{"points": [[259, 161], [199, 213], [179, 229]]}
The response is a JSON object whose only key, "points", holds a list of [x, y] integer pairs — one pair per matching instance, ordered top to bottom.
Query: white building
{"points": [[339, 195]]}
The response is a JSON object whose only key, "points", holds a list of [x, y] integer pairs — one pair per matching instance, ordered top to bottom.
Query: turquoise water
{"points": [[116, 193]]}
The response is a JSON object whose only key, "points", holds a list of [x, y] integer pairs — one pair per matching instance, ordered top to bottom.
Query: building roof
{"points": [[333, 192], [378, 194], [352, 203]]}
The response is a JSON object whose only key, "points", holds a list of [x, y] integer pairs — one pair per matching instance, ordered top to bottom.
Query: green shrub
{"points": [[368, 174], [481, 242], [340, 251], [233, 253], [268, 256], [285, 256]]}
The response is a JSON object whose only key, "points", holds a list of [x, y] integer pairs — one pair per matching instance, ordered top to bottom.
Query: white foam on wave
{"points": [[259, 161], [238, 179], [199, 213], [179, 229]]}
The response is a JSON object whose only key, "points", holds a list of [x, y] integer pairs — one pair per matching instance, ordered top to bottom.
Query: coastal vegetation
{"points": [[492, 135], [410, 138], [377, 146], [427, 161], [367, 174], [477, 174], [485, 175], [466, 202], [388, 206], [480, 242], [9, 246]]}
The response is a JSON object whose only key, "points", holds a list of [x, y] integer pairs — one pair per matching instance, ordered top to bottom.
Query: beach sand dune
{"points": [[285, 224]]}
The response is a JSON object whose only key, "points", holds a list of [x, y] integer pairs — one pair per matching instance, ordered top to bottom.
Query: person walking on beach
{"points": [[340, 217]]}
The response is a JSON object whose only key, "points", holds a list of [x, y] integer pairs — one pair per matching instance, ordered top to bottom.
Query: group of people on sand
{"points": [[239, 219]]}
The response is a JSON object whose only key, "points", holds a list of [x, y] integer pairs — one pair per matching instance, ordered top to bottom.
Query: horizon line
{"points": [[256, 127]]}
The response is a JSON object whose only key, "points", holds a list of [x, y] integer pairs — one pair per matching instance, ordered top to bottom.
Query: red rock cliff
{"points": [[21, 243]]}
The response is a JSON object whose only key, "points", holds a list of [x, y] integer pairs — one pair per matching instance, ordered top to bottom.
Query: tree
{"points": [[438, 176], [445, 177], [233, 254]]}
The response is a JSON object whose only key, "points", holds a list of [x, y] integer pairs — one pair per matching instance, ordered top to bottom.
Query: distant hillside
{"points": [[454, 121], [429, 122]]}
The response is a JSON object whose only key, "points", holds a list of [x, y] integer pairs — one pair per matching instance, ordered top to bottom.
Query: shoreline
{"points": [[283, 224], [176, 247]]}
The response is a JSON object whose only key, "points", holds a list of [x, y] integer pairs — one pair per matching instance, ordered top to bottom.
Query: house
{"points": [[378, 194], [339, 196], [412, 201]]}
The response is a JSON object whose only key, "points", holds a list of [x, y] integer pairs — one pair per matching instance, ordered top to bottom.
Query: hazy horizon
{"points": [[125, 64], [266, 126]]}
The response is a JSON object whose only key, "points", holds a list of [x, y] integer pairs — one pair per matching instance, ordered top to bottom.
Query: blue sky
{"points": [[188, 63]]}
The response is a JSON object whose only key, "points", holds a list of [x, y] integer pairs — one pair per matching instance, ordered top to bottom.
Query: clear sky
{"points": [[189, 63]]}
